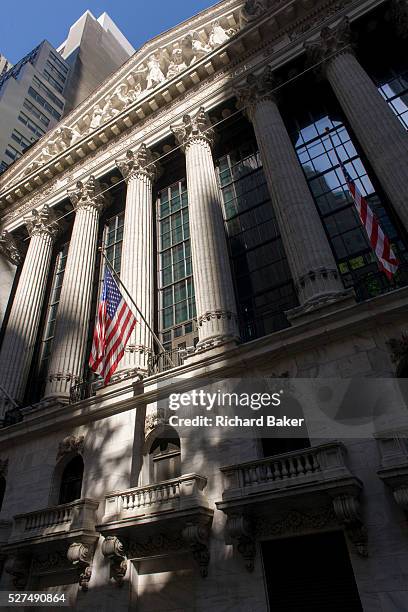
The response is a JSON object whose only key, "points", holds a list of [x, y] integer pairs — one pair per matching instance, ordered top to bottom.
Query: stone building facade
{"points": [[204, 168]]}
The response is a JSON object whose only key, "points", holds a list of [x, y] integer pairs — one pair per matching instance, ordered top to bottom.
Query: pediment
{"points": [[160, 71]]}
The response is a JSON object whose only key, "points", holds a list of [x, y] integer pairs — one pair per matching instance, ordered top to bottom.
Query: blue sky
{"points": [[25, 23]]}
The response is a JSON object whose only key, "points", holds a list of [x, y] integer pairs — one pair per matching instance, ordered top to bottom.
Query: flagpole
{"points": [[327, 130], [136, 307]]}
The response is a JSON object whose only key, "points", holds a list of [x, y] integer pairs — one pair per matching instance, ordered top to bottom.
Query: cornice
{"points": [[274, 46], [387, 309]]}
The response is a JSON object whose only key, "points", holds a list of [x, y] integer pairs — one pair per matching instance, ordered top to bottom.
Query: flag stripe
{"points": [[378, 240], [113, 327]]}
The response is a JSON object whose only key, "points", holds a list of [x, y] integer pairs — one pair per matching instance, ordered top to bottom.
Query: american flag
{"points": [[378, 240], [113, 327]]}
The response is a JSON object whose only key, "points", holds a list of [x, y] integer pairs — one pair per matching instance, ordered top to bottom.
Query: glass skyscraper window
{"points": [[355, 258], [260, 270], [176, 288]]}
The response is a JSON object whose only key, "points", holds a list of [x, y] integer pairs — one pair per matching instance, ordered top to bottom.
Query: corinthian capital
{"points": [[399, 16], [331, 43], [255, 89], [194, 128], [141, 162], [88, 194], [42, 222], [9, 248]]}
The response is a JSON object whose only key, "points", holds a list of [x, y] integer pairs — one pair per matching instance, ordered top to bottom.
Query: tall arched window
{"points": [[165, 458], [71, 481], [2, 489]]}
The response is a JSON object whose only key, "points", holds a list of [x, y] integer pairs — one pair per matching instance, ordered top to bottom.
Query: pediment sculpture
{"points": [[162, 65]]}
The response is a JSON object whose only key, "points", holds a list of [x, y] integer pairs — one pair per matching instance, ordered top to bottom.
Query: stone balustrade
{"points": [[321, 463], [176, 494], [75, 516]]}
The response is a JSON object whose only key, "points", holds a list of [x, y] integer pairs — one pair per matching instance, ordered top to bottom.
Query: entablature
{"points": [[83, 144]]}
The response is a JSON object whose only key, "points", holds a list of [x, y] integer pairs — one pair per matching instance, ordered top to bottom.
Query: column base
{"points": [[321, 307], [210, 347]]}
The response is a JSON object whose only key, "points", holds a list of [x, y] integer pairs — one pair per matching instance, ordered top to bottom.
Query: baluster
{"points": [[315, 463], [284, 469], [269, 471]]}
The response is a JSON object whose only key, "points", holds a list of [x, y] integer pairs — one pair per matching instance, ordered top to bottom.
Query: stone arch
{"points": [[161, 455]]}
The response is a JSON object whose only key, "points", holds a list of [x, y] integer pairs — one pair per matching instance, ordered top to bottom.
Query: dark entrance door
{"points": [[310, 574]]}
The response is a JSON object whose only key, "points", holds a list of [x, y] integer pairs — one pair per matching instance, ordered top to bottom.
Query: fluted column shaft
{"points": [[379, 132], [137, 254], [309, 255], [310, 258], [214, 292], [72, 323], [22, 328]]}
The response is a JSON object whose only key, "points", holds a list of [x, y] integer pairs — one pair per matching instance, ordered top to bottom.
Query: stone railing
{"points": [[317, 464], [177, 494], [77, 515]]}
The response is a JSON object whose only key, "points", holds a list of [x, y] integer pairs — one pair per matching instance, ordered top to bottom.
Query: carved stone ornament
{"points": [[252, 10], [331, 43], [256, 88], [194, 128], [139, 162], [88, 194], [41, 221], [9, 248], [156, 419], [70, 444], [401, 496], [347, 510], [239, 531], [197, 537], [158, 544], [113, 549], [80, 556], [18, 566]]}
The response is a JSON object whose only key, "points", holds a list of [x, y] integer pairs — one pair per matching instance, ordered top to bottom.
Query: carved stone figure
{"points": [[251, 10], [218, 35], [199, 48], [177, 63], [155, 75], [96, 119]]}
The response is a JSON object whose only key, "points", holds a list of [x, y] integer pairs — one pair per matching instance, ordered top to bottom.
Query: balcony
{"points": [[393, 470], [261, 497], [155, 520], [55, 523], [57, 538]]}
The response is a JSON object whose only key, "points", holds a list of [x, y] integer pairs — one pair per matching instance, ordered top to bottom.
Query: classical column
{"points": [[399, 16], [379, 132], [310, 259], [136, 273], [214, 292], [72, 323], [21, 332]]}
